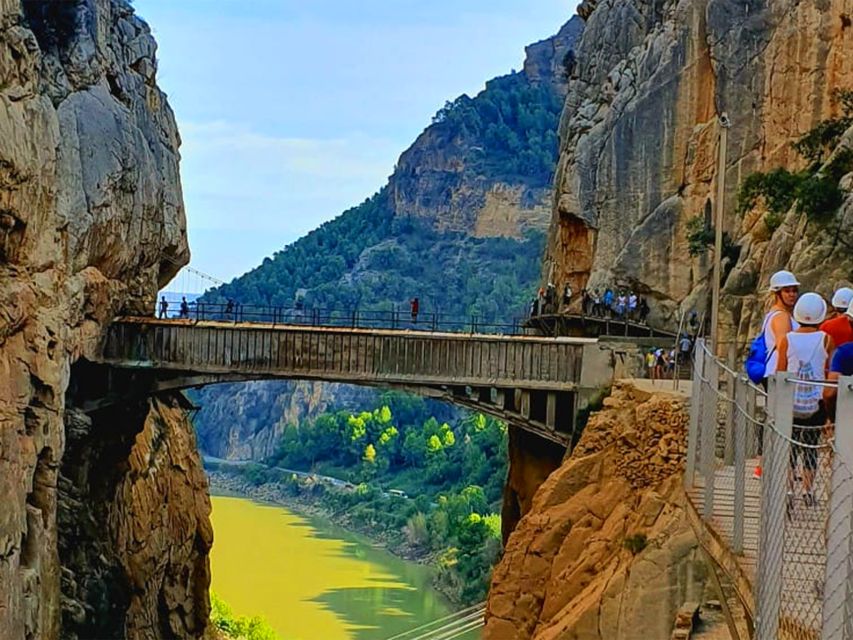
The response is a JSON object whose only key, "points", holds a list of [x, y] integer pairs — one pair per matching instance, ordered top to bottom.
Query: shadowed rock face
{"points": [[639, 146], [91, 224]]}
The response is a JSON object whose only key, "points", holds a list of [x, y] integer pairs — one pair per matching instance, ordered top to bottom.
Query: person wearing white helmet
{"points": [[778, 321], [840, 326], [806, 352]]}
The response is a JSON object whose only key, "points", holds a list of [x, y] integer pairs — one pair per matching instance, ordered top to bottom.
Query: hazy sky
{"points": [[291, 111]]}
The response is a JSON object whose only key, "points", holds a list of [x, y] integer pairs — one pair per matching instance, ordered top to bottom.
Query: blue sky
{"points": [[291, 111]]}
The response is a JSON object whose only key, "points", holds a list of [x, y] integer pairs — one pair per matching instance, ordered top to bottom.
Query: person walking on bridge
{"points": [[567, 297], [415, 305], [164, 307], [185, 307], [777, 323], [840, 327], [807, 351]]}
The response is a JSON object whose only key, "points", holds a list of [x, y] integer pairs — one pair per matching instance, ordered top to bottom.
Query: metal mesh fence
{"points": [[791, 524]]}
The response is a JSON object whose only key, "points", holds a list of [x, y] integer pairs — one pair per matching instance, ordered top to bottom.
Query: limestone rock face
{"points": [[639, 146], [91, 223], [606, 551]]}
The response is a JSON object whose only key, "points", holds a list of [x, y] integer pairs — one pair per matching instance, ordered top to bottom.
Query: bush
{"points": [[819, 197], [636, 543], [238, 627]]}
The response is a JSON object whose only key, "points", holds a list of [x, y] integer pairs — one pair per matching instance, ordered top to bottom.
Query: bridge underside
{"points": [[547, 414]]}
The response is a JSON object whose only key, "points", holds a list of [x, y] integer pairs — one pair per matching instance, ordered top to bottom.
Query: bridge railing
{"points": [[353, 318], [792, 528]]}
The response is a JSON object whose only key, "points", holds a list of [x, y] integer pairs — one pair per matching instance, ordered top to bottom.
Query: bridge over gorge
{"points": [[533, 382], [786, 553]]}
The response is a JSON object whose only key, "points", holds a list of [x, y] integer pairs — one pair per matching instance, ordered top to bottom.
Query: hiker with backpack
{"points": [[778, 321], [806, 351]]}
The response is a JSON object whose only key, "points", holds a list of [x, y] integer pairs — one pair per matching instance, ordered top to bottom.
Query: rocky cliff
{"points": [[639, 147], [470, 196], [91, 224], [606, 551]]}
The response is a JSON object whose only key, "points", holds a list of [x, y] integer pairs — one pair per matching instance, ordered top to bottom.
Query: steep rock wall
{"points": [[639, 140], [91, 223], [606, 551]]}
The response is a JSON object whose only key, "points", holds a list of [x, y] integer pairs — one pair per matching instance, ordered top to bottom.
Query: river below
{"points": [[312, 580]]}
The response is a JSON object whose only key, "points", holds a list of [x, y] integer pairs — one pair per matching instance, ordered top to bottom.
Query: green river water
{"points": [[314, 581]]}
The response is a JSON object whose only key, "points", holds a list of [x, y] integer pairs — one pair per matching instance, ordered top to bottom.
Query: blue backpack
{"points": [[756, 361]]}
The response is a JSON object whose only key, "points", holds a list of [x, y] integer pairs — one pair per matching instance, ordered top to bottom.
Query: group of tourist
{"points": [[614, 303], [813, 340], [660, 363]]}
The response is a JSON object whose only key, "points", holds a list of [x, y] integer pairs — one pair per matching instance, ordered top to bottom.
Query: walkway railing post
{"points": [[696, 396], [740, 426], [708, 437], [774, 507], [838, 589]]}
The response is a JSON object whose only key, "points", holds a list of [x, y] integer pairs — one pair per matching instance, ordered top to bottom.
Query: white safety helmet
{"points": [[782, 279], [842, 298], [810, 309]]}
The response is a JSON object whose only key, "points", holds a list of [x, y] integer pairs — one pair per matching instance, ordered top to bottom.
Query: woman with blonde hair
{"points": [[778, 322]]}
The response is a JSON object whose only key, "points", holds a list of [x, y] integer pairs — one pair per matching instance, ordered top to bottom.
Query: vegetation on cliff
{"points": [[815, 190], [428, 487]]}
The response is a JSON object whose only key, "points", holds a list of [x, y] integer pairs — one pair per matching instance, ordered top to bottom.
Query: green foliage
{"points": [[510, 128], [822, 139], [814, 191], [700, 236], [636, 543], [238, 627]]}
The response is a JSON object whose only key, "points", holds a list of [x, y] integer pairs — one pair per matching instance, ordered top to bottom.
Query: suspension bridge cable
{"points": [[445, 619], [448, 629], [455, 630]]}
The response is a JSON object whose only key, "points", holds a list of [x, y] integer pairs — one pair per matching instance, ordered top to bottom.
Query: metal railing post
{"points": [[695, 412], [740, 426], [708, 438], [774, 507], [838, 588]]}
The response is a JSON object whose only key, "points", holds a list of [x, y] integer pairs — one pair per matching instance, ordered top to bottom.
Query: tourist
{"points": [[567, 297], [841, 300], [608, 301], [586, 302], [597, 304], [415, 306], [632, 306], [164, 307], [185, 307], [643, 310], [778, 321], [693, 322], [840, 327], [685, 345], [806, 351], [650, 363], [660, 363], [841, 365]]}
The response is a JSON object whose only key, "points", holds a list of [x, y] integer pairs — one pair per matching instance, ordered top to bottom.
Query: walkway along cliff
{"points": [[91, 225]]}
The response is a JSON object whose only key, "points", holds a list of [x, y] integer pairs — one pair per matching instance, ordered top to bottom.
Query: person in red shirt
{"points": [[841, 326]]}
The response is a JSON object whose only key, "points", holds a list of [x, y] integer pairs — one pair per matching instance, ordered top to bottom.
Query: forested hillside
{"points": [[460, 225]]}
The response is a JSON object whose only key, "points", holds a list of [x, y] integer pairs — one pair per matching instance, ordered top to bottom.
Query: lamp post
{"points": [[724, 124]]}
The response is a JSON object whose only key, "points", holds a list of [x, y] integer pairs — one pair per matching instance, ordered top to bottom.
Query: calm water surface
{"points": [[313, 581]]}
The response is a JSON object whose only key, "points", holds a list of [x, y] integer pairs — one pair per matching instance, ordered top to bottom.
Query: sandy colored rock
{"points": [[639, 146], [91, 224], [605, 551]]}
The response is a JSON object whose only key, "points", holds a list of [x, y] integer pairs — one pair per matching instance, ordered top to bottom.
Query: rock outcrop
{"points": [[639, 146], [444, 181], [91, 224], [606, 551]]}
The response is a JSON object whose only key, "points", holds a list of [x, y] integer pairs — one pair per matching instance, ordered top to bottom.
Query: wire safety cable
{"points": [[455, 614]]}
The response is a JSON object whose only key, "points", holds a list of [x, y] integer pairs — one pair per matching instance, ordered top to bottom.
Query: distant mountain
{"points": [[460, 224]]}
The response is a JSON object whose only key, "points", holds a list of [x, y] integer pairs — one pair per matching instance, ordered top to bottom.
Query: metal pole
{"points": [[718, 231], [676, 368]]}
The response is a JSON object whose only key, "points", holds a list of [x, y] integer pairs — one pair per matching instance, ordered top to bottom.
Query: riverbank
{"points": [[309, 504]]}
